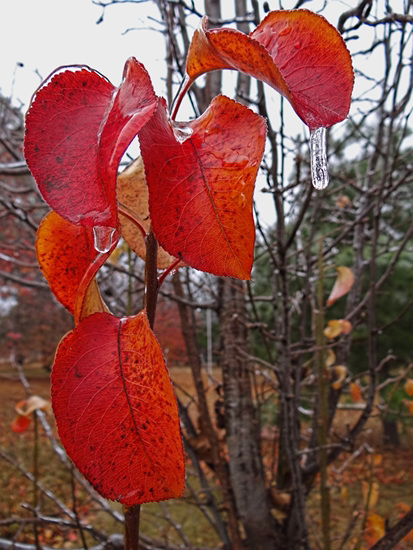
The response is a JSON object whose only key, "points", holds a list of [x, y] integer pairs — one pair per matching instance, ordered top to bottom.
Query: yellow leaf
{"points": [[133, 194], [344, 282], [336, 327], [333, 329], [331, 358], [341, 372], [408, 387], [370, 493], [344, 494], [376, 528]]}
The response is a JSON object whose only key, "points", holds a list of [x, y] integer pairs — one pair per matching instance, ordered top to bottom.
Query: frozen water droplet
{"points": [[182, 133], [318, 150], [102, 238]]}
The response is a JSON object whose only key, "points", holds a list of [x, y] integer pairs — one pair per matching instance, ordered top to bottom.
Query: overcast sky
{"points": [[45, 34]]}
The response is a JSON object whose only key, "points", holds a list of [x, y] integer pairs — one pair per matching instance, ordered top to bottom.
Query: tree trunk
{"points": [[245, 464]]}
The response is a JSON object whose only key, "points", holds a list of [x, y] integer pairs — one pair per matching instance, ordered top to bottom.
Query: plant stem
{"points": [[151, 277], [322, 403], [35, 477], [132, 513], [132, 516]]}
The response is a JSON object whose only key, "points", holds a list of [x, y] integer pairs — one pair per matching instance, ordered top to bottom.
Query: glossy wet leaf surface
{"points": [[296, 52], [77, 129], [201, 178], [116, 410]]}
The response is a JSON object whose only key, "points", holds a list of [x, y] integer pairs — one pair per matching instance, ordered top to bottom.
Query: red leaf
{"points": [[296, 52], [314, 61], [77, 128], [201, 181], [116, 411], [20, 423]]}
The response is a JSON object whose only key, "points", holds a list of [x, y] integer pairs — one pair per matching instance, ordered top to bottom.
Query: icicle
{"points": [[318, 150], [102, 238]]}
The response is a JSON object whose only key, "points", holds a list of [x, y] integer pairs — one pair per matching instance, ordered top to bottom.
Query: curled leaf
{"points": [[297, 52], [77, 129], [342, 285], [331, 358], [341, 373], [33, 403]]}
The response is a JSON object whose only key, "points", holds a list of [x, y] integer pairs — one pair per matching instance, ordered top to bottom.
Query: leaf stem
{"points": [[183, 88], [128, 214], [167, 271], [87, 278]]}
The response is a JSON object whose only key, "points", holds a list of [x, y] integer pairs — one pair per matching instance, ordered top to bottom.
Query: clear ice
{"points": [[318, 150], [102, 238]]}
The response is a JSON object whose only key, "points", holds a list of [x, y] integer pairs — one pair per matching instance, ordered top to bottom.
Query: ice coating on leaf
{"points": [[182, 132], [319, 165], [102, 238]]}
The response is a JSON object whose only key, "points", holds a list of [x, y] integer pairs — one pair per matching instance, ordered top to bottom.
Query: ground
{"points": [[385, 478]]}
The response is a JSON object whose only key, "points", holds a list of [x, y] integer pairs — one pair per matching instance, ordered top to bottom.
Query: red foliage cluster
{"points": [[112, 397]]}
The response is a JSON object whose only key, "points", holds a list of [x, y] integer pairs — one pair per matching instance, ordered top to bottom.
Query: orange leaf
{"points": [[296, 52], [201, 179], [132, 191], [343, 201], [64, 252], [342, 285], [336, 327], [341, 372], [408, 387], [355, 392], [409, 405], [116, 411], [20, 423], [403, 507], [376, 528]]}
